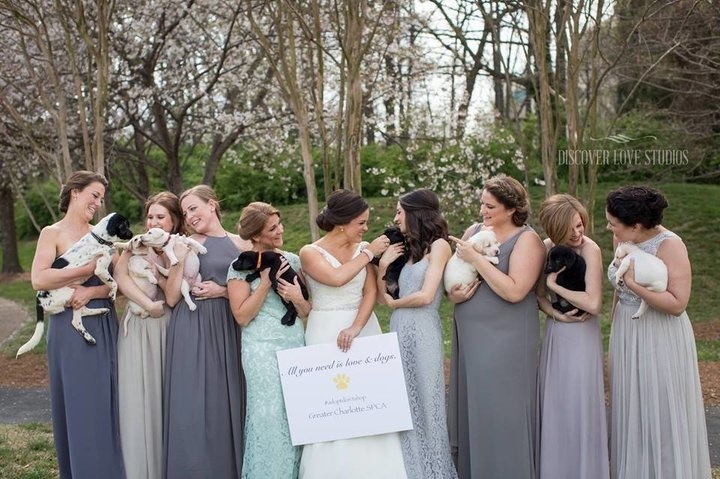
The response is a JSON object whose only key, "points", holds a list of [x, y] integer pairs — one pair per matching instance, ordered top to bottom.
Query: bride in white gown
{"points": [[343, 291]]}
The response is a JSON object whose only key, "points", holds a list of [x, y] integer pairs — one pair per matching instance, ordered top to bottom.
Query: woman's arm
{"points": [[439, 255], [526, 261], [315, 265], [43, 276], [128, 287], [171, 287], [293, 293], [589, 300], [674, 300], [245, 303], [346, 336]]}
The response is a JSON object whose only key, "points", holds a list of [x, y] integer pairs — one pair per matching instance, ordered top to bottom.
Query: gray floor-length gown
{"points": [[84, 394], [204, 396], [492, 410], [572, 423], [657, 423], [426, 449]]}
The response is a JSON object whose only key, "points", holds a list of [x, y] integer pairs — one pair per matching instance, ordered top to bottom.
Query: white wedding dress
{"points": [[377, 457]]}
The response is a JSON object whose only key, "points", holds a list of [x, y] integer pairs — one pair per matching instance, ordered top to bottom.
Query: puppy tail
{"points": [[37, 335]]}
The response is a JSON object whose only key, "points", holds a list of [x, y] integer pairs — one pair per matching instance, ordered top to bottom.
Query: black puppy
{"points": [[256, 262], [392, 275], [572, 277]]}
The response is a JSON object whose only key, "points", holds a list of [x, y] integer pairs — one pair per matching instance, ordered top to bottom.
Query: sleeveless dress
{"points": [[141, 362], [84, 393], [204, 393], [492, 405], [657, 418], [572, 423], [268, 448], [426, 449], [377, 457]]}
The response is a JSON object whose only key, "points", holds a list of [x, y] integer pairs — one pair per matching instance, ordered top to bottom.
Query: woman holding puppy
{"points": [[343, 290], [258, 310], [415, 318], [141, 347], [494, 357], [83, 377], [204, 390], [657, 416], [572, 427]]}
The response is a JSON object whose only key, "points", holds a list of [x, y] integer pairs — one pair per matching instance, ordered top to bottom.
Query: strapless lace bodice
{"points": [[328, 298]]}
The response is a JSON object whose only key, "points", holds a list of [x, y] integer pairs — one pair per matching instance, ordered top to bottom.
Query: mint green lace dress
{"points": [[268, 450]]}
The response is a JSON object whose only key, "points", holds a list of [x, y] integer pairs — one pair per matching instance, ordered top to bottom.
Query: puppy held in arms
{"points": [[97, 244], [256, 262], [191, 266], [650, 271], [460, 272], [392, 274], [571, 277]]}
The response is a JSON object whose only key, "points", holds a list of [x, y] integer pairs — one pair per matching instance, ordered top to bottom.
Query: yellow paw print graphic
{"points": [[342, 381]]}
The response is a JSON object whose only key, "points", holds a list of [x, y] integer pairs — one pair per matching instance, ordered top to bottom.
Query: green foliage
{"points": [[48, 190]]}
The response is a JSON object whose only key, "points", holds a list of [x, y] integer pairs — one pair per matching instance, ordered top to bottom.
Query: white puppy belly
{"points": [[458, 272]]}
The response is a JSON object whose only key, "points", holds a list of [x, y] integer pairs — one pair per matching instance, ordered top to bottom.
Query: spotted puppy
{"points": [[98, 243]]}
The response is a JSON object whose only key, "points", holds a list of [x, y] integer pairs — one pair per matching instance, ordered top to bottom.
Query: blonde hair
{"points": [[205, 193], [512, 194], [556, 216], [253, 219]]}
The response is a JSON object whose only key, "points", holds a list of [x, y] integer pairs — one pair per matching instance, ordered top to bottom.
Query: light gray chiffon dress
{"points": [[141, 361], [204, 396], [492, 407], [572, 423], [658, 426], [426, 449]]}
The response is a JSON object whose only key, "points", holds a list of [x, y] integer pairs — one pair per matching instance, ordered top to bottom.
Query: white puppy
{"points": [[191, 267], [459, 271], [650, 271]]}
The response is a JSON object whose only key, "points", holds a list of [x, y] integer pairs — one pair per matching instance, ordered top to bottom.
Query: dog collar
{"points": [[100, 240], [160, 250], [257, 266]]}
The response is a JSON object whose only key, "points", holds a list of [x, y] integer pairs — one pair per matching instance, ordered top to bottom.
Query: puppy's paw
{"points": [[493, 259], [342, 381]]}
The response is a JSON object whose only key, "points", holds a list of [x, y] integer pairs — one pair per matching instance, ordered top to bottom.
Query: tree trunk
{"points": [[11, 260]]}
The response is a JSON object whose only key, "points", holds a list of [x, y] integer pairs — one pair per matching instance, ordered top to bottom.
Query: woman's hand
{"points": [[379, 245], [465, 250], [393, 252], [551, 280], [208, 290], [290, 291], [460, 294], [80, 297], [156, 309], [570, 317], [345, 338]]}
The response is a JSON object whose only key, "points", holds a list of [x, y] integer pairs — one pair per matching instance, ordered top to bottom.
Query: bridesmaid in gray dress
{"points": [[141, 348], [494, 359], [83, 377], [204, 394], [658, 421], [572, 426], [426, 449]]}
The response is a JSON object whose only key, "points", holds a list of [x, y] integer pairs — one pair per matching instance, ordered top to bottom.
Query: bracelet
{"points": [[369, 253]]}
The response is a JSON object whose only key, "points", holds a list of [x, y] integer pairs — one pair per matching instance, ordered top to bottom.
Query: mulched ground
{"points": [[30, 370]]}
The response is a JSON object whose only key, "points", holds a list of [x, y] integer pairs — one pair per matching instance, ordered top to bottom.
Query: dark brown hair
{"points": [[78, 181], [636, 204], [342, 207], [423, 222]]}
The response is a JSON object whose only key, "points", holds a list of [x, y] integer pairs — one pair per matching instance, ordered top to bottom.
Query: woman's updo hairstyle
{"points": [[78, 181], [512, 194], [636, 204], [342, 207], [253, 219]]}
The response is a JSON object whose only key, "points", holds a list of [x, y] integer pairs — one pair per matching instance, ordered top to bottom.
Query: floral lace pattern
{"points": [[426, 448]]}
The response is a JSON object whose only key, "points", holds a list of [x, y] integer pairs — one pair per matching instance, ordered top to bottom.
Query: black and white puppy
{"points": [[98, 243], [256, 262], [392, 275], [572, 277]]}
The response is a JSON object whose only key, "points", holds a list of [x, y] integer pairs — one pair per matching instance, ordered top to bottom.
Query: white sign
{"points": [[332, 395]]}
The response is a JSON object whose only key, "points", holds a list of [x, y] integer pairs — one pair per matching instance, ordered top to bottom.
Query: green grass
{"points": [[27, 452]]}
